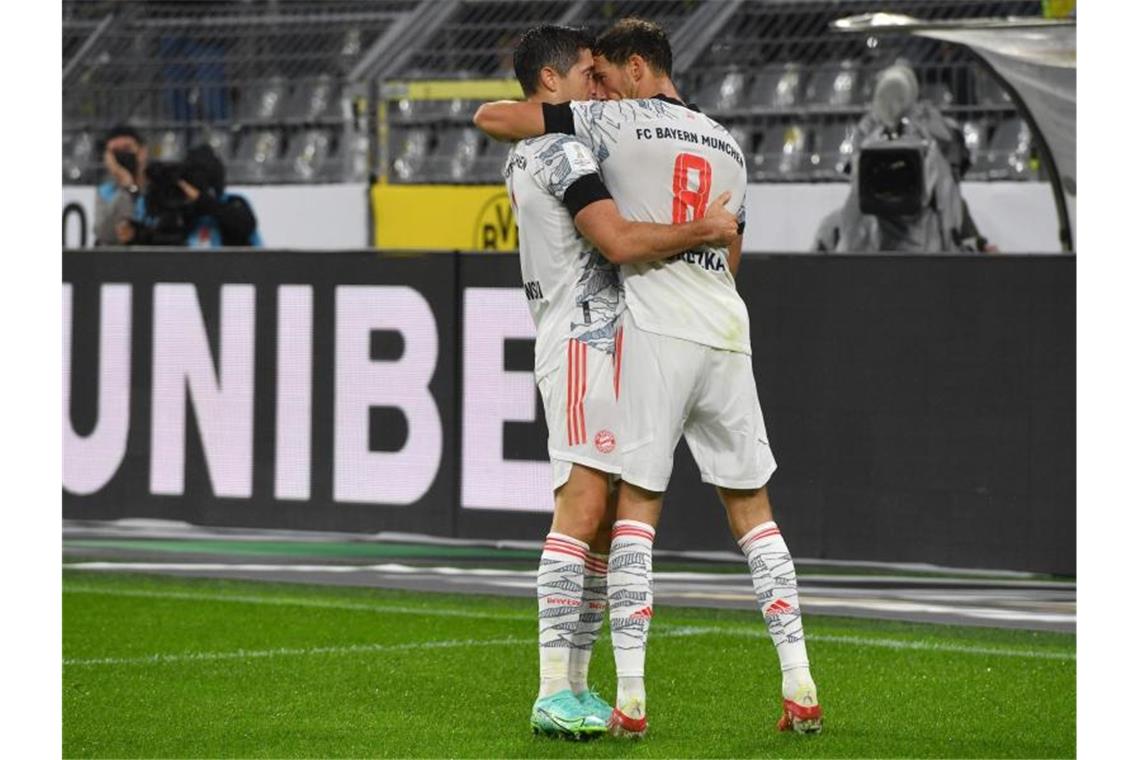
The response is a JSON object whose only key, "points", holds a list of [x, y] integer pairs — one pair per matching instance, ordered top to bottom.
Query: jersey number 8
{"points": [[690, 204]]}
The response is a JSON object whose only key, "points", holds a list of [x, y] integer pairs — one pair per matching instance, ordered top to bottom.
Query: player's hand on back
{"points": [[722, 223]]}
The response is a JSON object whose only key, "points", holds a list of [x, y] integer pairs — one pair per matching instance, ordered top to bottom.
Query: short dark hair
{"points": [[632, 36], [548, 45], [124, 130]]}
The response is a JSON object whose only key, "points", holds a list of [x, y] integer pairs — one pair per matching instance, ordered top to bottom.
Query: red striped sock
{"points": [[561, 572], [777, 592], [631, 608], [590, 621]]}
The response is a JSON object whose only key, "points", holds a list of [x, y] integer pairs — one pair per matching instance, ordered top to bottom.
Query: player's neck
{"points": [[658, 86], [546, 97]]}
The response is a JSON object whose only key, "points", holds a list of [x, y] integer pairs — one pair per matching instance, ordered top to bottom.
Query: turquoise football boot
{"points": [[593, 703], [561, 714]]}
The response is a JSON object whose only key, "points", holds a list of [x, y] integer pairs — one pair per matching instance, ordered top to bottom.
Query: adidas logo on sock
{"points": [[778, 607], [644, 612]]}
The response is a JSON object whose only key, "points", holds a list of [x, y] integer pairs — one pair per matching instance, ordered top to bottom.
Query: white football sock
{"points": [[560, 575], [774, 580], [631, 607], [590, 621]]}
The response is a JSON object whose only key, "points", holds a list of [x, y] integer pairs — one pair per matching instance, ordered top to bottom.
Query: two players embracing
{"points": [[641, 337]]}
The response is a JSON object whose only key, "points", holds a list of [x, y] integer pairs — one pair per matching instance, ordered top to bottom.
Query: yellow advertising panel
{"points": [[453, 89], [447, 217]]}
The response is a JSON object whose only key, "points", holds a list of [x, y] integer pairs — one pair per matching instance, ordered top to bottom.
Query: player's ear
{"points": [[636, 66], [549, 78]]}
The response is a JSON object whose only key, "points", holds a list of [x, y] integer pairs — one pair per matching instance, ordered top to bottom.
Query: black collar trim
{"points": [[674, 101]]}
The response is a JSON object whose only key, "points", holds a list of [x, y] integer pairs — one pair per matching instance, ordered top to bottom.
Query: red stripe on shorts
{"points": [[617, 363], [570, 388], [580, 416]]}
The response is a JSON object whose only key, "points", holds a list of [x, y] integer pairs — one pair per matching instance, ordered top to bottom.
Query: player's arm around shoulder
{"points": [[510, 120], [627, 242]]}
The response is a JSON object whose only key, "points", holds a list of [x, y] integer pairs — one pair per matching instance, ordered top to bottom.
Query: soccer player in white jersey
{"points": [[569, 227], [686, 352]]}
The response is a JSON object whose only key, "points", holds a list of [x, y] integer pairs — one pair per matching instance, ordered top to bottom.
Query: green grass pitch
{"points": [[163, 667]]}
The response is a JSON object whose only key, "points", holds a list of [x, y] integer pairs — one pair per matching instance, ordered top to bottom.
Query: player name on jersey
{"points": [[709, 259], [533, 290]]}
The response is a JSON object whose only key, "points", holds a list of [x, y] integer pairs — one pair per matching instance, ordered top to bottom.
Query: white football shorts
{"points": [[671, 386], [582, 417]]}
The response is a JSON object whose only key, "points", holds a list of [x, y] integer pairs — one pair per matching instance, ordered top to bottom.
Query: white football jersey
{"points": [[664, 162], [571, 289]]}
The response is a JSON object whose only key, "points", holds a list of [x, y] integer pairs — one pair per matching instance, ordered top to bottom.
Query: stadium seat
{"points": [[351, 46], [836, 84], [777, 86], [722, 92], [311, 100], [263, 103], [419, 111], [974, 133], [743, 137], [220, 140], [68, 141], [168, 145], [833, 147], [409, 153], [781, 153], [1008, 153], [307, 154], [257, 156], [454, 156], [352, 158], [81, 162], [489, 166]]}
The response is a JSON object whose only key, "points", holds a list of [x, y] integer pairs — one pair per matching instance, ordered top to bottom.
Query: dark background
{"points": [[921, 408]]}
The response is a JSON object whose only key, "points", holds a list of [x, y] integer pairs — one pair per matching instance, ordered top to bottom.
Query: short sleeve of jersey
{"points": [[559, 162], [742, 215]]}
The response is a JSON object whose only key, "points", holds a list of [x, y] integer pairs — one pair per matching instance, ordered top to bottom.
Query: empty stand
{"points": [[285, 90]]}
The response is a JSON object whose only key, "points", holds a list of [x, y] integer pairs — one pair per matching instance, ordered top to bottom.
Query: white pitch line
{"points": [[260, 567], [297, 602], [890, 605], [661, 629], [901, 644], [245, 654]]}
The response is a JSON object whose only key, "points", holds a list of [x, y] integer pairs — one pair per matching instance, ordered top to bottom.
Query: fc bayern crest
{"points": [[604, 441]]}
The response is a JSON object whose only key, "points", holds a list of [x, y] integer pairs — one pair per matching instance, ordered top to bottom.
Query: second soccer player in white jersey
{"points": [[570, 236], [686, 352]]}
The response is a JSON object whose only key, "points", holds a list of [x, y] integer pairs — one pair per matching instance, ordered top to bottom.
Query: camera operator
{"points": [[905, 193], [120, 197], [186, 204]]}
